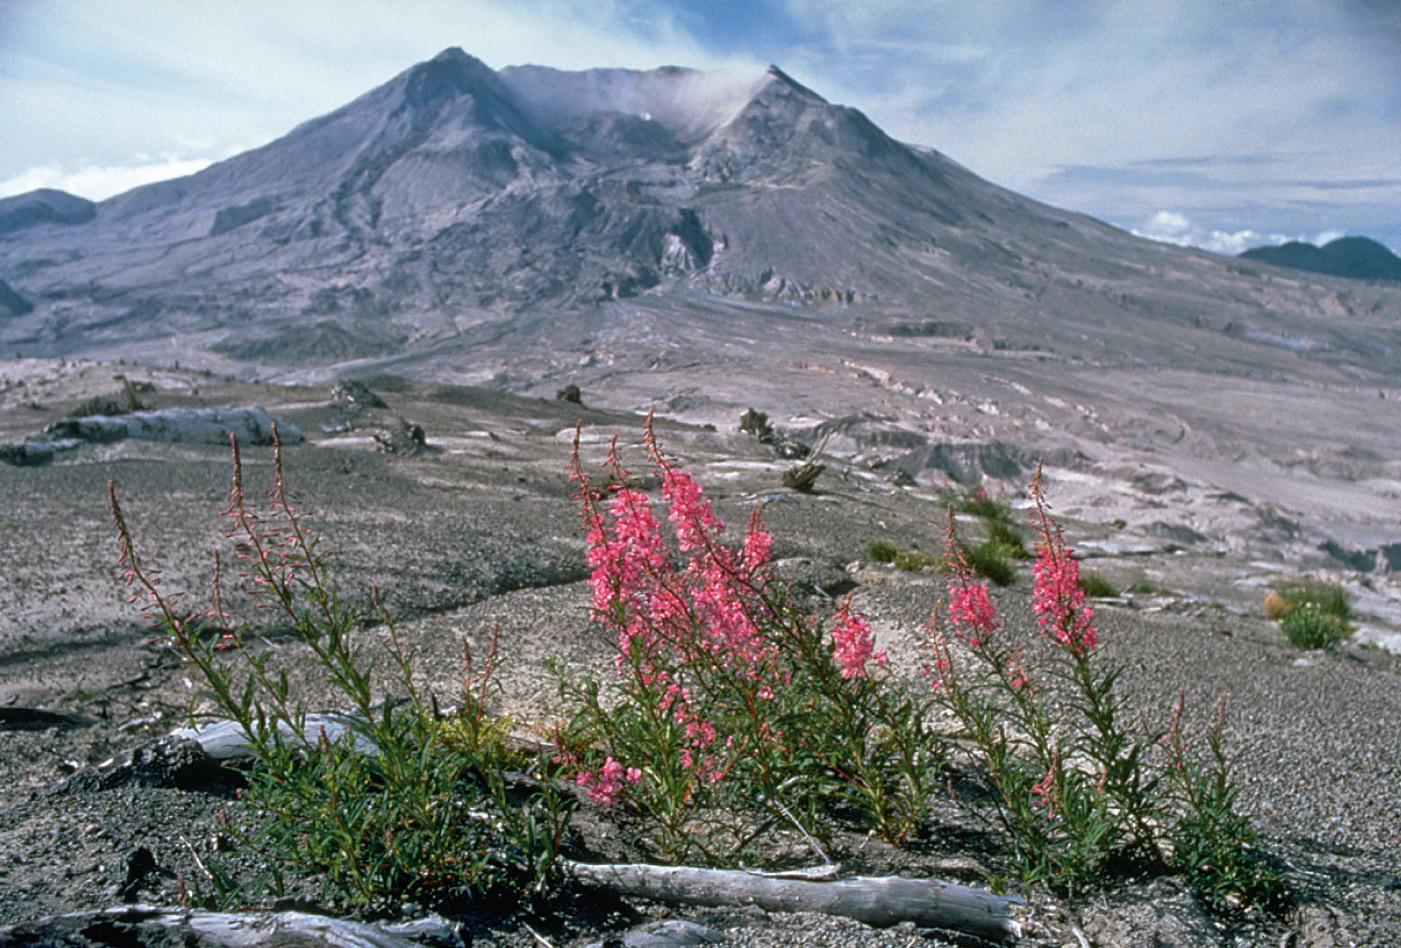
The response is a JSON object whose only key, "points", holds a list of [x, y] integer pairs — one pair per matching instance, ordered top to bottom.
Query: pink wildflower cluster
{"points": [[1057, 599], [971, 610], [852, 643], [604, 786]]}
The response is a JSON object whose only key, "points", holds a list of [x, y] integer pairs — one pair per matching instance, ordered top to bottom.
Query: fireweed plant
{"points": [[733, 710], [1080, 789], [406, 803]]}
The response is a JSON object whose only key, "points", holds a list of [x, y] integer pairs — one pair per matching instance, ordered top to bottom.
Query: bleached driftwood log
{"points": [[880, 902], [136, 926]]}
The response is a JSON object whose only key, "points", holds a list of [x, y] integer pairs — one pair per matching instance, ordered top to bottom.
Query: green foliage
{"points": [[1008, 539], [879, 551], [910, 561], [989, 561], [1097, 586], [1327, 598], [1313, 614], [1309, 626], [728, 719], [1079, 787], [399, 804], [1214, 845]]}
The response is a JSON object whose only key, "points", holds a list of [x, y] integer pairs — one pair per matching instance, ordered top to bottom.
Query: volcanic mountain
{"points": [[442, 209]]}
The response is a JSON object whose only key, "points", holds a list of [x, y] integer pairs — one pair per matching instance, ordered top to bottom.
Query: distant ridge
{"points": [[1359, 258]]}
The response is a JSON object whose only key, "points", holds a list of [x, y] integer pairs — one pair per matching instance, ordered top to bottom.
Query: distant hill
{"points": [[45, 206], [1357, 257]]}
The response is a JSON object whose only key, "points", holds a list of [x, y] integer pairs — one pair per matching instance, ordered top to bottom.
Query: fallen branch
{"points": [[880, 902], [139, 926]]}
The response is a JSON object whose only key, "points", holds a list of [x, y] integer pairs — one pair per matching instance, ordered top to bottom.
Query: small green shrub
{"points": [[1008, 540], [879, 551], [911, 561], [990, 562], [1097, 586], [1328, 598], [1309, 626], [386, 810]]}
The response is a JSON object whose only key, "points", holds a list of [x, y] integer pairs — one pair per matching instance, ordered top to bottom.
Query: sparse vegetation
{"points": [[1097, 585], [1313, 614], [735, 714], [384, 811]]}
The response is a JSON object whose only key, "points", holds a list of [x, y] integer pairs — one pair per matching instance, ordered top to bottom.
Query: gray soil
{"points": [[478, 532]]}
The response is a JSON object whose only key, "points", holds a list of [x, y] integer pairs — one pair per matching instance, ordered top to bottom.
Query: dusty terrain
{"points": [[479, 531]]}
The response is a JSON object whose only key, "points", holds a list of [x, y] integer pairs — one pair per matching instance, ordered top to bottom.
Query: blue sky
{"points": [[1220, 123]]}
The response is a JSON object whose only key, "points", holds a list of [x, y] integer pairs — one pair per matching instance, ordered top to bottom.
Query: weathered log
{"points": [[226, 740], [880, 902], [138, 926]]}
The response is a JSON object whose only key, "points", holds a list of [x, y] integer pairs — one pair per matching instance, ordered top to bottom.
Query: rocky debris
{"points": [[11, 303], [570, 393], [354, 396], [756, 423], [184, 425], [403, 438], [966, 462], [803, 477], [175, 762], [1163, 914], [670, 933]]}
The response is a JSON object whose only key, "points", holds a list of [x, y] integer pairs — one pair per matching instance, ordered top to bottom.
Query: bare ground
{"points": [[479, 533]]}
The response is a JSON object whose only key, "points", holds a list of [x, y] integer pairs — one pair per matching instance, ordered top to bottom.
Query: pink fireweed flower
{"points": [[1057, 599], [1059, 602], [971, 611], [852, 643], [604, 786]]}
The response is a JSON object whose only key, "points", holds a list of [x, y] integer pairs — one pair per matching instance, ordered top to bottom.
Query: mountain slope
{"points": [[447, 206]]}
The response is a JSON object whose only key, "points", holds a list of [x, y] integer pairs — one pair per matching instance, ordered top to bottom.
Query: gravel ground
{"points": [[480, 533]]}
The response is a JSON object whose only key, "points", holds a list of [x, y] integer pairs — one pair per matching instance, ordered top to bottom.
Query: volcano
{"points": [[498, 224]]}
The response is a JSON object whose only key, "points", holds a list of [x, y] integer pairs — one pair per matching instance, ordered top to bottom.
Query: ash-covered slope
{"points": [[460, 210]]}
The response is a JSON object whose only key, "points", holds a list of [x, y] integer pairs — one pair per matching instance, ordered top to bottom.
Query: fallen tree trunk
{"points": [[880, 902], [144, 927]]}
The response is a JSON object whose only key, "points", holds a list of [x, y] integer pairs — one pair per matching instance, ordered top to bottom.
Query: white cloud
{"points": [[98, 182], [1173, 227]]}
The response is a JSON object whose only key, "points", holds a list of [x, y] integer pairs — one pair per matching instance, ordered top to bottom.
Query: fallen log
{"points": [[879, 902], [139, 926]]}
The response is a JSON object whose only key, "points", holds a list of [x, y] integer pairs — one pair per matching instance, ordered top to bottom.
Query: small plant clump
{"points": [[1097, 586], [1312, 614], [1309, 626], [1080, 789], [382, 813]]}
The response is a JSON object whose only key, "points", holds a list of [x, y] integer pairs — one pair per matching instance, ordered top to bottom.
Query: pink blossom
{"points": [[1058, 601], [971, 611], [852, 643], [603, 787], [1046, 788]]}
